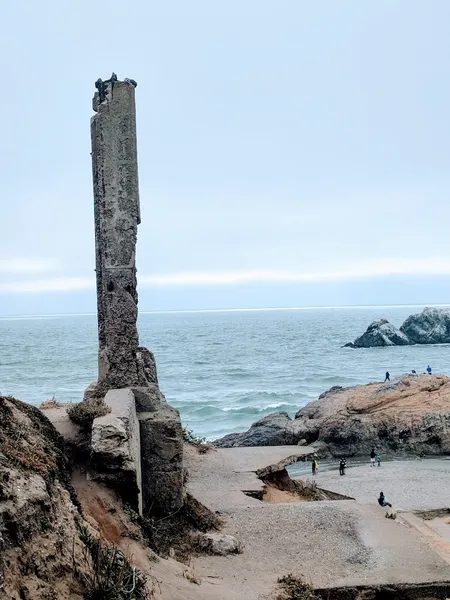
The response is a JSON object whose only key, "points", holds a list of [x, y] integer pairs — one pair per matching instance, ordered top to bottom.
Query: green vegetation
{"points": [[84, 413], [200, 443], [34, 447], [175, 531], [109, 574], [293, 588]]}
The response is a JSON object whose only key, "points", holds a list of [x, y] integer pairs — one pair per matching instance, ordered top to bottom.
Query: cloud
{"points": [[27, 266], [382, 268], [61, 284]]}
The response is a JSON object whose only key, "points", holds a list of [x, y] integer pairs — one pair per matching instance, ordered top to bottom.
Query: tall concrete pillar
{"points": [[117, 216], [138, 446]]}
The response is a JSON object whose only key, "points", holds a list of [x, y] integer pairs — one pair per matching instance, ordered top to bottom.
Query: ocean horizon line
{"points": [[228, 310]]}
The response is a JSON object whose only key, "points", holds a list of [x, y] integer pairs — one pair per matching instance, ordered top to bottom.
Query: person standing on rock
{"points": [[388, 377], [372, 458], [314, 465], [382, 500]]}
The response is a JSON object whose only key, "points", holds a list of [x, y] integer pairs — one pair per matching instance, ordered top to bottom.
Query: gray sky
{"points": [[290, 153]]}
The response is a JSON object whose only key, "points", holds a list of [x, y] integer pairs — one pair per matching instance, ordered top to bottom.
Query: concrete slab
{"points": [[218, 478], [408, 485], [329, 544]]}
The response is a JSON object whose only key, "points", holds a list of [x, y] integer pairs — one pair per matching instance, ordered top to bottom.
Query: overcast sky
{"points": [[291, 153]]}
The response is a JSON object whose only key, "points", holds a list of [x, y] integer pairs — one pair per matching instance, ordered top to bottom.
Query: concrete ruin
{"points": [[137, 448]]}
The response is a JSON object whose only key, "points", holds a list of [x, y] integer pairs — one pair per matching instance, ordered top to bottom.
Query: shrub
{"points": [[84, 413], [199, 442], [175, 531], [109, 574], [293, 588]]}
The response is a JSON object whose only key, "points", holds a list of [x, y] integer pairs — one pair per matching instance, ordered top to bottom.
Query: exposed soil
{"points": [[279, 487]]}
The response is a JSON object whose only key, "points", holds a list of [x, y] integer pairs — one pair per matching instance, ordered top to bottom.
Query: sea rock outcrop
{"points": [[431, 326], [380, 333], [410, 415], [272, 430]]}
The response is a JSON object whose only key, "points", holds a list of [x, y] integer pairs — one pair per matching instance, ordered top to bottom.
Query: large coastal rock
{"points": [[431, 326], [380, 333], [408, 416], [272, 430], [39, 545]]}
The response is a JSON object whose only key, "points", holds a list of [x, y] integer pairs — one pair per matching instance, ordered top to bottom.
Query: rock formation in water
{"points": [[431, 326], [380, 333], [407, 416], [273, 430], [137, 447]]}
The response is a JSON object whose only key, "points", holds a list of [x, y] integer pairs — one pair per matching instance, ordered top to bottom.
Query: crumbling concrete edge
{"points": [[115, 444], [264, 472]]}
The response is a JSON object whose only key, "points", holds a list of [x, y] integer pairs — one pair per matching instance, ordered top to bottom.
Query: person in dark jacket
{"points": [[388, 377], [372, 458], [342, 465], [382, 500]]}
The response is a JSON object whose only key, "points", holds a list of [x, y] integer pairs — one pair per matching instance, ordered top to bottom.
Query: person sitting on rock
{"points": [[429, 370], [388, 377], [372, 458], [342, 465], [382, 500]]}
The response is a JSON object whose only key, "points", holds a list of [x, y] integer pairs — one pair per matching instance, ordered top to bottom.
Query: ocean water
{"points": [[222, 370]]}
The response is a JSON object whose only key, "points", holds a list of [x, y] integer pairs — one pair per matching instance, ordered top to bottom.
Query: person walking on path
{"points": [[429, 370], [388, 377], [372, 458], [378, 459], [342, 465], [314, 466], [382, 500]]}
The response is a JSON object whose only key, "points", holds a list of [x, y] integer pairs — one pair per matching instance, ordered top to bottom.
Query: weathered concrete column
{"points": [[117, 215], [138, 446]]}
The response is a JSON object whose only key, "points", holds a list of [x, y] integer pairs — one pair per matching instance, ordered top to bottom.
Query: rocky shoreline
{"points": [[431, 326], [407, 416]]}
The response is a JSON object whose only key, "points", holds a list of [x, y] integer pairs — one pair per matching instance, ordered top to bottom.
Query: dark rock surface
{"points": [[431, 326], [380, 333], [409, 416], [272, 430]]}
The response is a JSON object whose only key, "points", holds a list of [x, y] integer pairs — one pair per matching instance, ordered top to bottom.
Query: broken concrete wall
{"points": [[116, 447], [138, 450], [161, 452]]}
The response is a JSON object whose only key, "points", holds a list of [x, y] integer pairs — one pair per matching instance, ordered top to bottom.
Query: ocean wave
{"points": [[277, 405]]}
